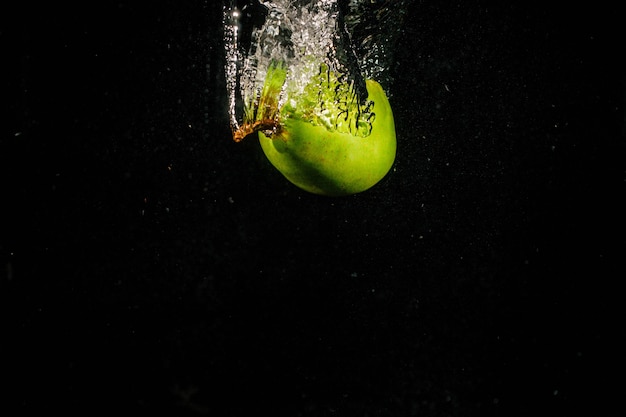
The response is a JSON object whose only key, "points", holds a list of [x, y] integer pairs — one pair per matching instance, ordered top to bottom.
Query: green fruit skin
{"points": [[330, 163]]}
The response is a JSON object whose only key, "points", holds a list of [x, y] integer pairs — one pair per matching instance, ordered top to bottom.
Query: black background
{"points": [[150, 264]]}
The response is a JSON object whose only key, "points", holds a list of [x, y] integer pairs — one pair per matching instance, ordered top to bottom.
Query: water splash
{"points": [[324, 45]]}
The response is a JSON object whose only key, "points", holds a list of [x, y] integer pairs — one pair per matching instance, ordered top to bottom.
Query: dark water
{"points": [[149, 264]]}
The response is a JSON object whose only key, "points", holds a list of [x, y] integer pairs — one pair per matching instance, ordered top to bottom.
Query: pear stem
{"points": [[249, 128]]}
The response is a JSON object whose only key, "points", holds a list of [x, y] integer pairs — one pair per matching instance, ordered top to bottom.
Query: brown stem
{"points": [[249, 128]]}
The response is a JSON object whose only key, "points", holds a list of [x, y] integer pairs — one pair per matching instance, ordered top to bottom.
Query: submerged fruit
{"points": [[322, 144], [328, 162]]}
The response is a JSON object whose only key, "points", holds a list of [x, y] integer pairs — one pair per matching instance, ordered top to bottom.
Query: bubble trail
{"points": [[349, 41]]}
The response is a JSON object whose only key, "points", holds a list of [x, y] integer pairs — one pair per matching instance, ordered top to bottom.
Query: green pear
{"points": [[323, 145]]}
